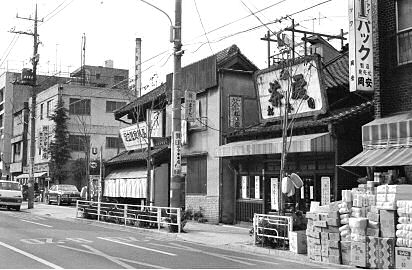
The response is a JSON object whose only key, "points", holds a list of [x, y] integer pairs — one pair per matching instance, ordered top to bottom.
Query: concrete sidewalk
{"points": [[219, 236]]}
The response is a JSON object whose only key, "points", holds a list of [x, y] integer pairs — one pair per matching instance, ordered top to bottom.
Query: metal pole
{"points": [[100, 176], [175, 183]]}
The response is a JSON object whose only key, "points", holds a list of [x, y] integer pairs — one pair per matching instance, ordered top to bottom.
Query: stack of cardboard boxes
{"points": [[323, 237], [403, 249]]}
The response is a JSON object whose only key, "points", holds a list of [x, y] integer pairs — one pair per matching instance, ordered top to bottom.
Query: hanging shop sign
{"points": [[360, 46], [297, 87], [190, 106], [235, 112], [177, 153], [244, 187], [257, 187], [325, 190], [274, 194]]}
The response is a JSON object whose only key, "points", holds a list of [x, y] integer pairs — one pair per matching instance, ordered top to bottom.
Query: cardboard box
{"points": [[334, 214], [312, 216], [323, 216], [373, 216], [388, 220], [333, 222], [320, 223], [317, 229], [331, 229], [372, 232], [334, 236], [324, 237], [313, 241], [298, 242], [334, 244], [345, 248], [315, 249], [325, 252], [334, 252], [380, 252], [358, 254], [317, 258], [403, 258], [325, 259], [335, 259]]}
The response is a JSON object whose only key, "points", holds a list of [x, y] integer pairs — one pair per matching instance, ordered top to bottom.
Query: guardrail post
{"points": [[98, 211], [159, 212], [125, 214], [179, 225]]}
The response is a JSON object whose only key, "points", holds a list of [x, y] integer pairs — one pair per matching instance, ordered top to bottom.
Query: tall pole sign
{"points": [[360, 46]]}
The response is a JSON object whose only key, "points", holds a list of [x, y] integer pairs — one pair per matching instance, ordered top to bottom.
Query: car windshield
{"points": [[10, 186], [68, 188]]}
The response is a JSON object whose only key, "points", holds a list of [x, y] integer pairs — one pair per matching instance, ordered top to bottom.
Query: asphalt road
{"points": [[36, 242]]}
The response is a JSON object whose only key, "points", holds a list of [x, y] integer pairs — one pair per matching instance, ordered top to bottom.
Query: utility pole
{"points": [[35, 61], [176, 185]]}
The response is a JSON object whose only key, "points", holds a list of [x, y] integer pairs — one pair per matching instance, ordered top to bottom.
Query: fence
{"points": [[131, 215], [272, 230]]}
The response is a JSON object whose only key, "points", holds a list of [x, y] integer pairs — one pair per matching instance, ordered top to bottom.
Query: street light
{"points": [[175, 160]]}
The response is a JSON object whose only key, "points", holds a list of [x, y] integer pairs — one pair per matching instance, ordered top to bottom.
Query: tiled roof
{"points": [[336, 72], [152, 95], [334, 116], [136, 155]]}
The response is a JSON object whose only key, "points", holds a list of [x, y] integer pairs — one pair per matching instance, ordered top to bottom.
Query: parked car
{"points": [[63, 194], [11, 195]]}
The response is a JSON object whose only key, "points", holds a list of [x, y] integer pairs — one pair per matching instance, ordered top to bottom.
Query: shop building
{"points": [[326, 125]]}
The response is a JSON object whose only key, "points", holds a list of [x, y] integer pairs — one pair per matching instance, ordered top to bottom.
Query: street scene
{"points": [[194, 134]]}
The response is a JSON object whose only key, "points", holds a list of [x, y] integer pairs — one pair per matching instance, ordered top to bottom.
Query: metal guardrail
{"points": [[129, 214], [271, 227]]}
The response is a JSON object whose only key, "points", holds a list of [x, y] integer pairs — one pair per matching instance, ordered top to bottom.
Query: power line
{"points": [[54, 9], [58, 12], [201, 22], [15, 38]]}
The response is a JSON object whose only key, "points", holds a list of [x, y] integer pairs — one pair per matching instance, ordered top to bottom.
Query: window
{"points": [[404, 31], [97, 76], [118, 78], [79, 106], [111, 106], [48, 108], [41, 111], [78, 142], [114, 142], [16, 152], [196, 178]]}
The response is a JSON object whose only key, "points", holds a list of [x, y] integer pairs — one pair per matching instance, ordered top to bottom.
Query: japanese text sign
{"points": [[360, 46], [190, 106], [235, 112], [177, 153], [325, 190]]}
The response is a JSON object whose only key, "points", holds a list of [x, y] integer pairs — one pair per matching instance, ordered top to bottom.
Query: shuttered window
{"points": [[196, 178]]}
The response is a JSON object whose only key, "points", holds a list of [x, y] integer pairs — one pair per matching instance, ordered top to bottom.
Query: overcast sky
{"points": [[111, 27]]}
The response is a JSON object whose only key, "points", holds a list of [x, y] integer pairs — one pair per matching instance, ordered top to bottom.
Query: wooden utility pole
{"points": [[34, 61], [176, 185]]}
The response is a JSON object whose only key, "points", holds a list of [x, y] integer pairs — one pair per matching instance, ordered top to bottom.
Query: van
{"points": [[11, 195]]}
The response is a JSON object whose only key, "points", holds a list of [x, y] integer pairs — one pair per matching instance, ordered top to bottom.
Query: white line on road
{"points": [[44, 225], [131, 245], [31, 256], [110, 258], [122, 259]]}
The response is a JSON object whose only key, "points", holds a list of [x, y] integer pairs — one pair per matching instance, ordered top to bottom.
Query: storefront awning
{"points": [[392, 131], [318, 142], [381, 158], [36, 175], [22, 176], [126, 183]]}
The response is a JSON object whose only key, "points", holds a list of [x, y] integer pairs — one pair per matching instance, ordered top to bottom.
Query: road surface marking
{"points": [[37, 223], [131, 245], [182, 247], [31, 256], [110, 258], [122, 259], [253, 260]]}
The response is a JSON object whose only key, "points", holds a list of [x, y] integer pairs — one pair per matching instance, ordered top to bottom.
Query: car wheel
{"points": [[59, 202], [17, 208]]}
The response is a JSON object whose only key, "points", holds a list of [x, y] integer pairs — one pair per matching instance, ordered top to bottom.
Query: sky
{"points": [[111, 27]]}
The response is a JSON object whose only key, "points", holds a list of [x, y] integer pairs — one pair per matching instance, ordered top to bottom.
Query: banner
{"points": [[190, 106], [176, 156], [325, 190], [274, 193]]}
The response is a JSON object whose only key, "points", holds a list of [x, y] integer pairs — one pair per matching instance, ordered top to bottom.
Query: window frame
{"points": [[398, 33], [116, 104], [75, 106], [48, 108], [41, 111], [118, 144], [80, 146], [199, 185]]}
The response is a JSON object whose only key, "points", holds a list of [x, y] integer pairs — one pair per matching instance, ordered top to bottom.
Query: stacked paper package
{"points": [[388, 195], [404, 228]]}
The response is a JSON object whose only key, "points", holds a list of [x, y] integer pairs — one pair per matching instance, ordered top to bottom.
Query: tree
{"points": [[59, 150]]}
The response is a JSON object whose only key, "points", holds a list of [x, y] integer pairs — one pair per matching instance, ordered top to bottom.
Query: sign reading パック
{"points": [[360, 46], [297, 87]]}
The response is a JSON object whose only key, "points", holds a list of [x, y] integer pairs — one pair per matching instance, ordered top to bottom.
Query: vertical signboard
{"points": [[360, 46], [190, 106], [235, 112], [176, 150], [244, 187], [257, 187], [325, 190], [274, 193]]}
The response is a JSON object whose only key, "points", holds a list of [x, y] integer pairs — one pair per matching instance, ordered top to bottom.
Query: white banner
{"points": [[360, 46], [190, 106], [134, 137], [176, 150], [244, 187], [257, 187], [325, 190], [274, 193]]}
